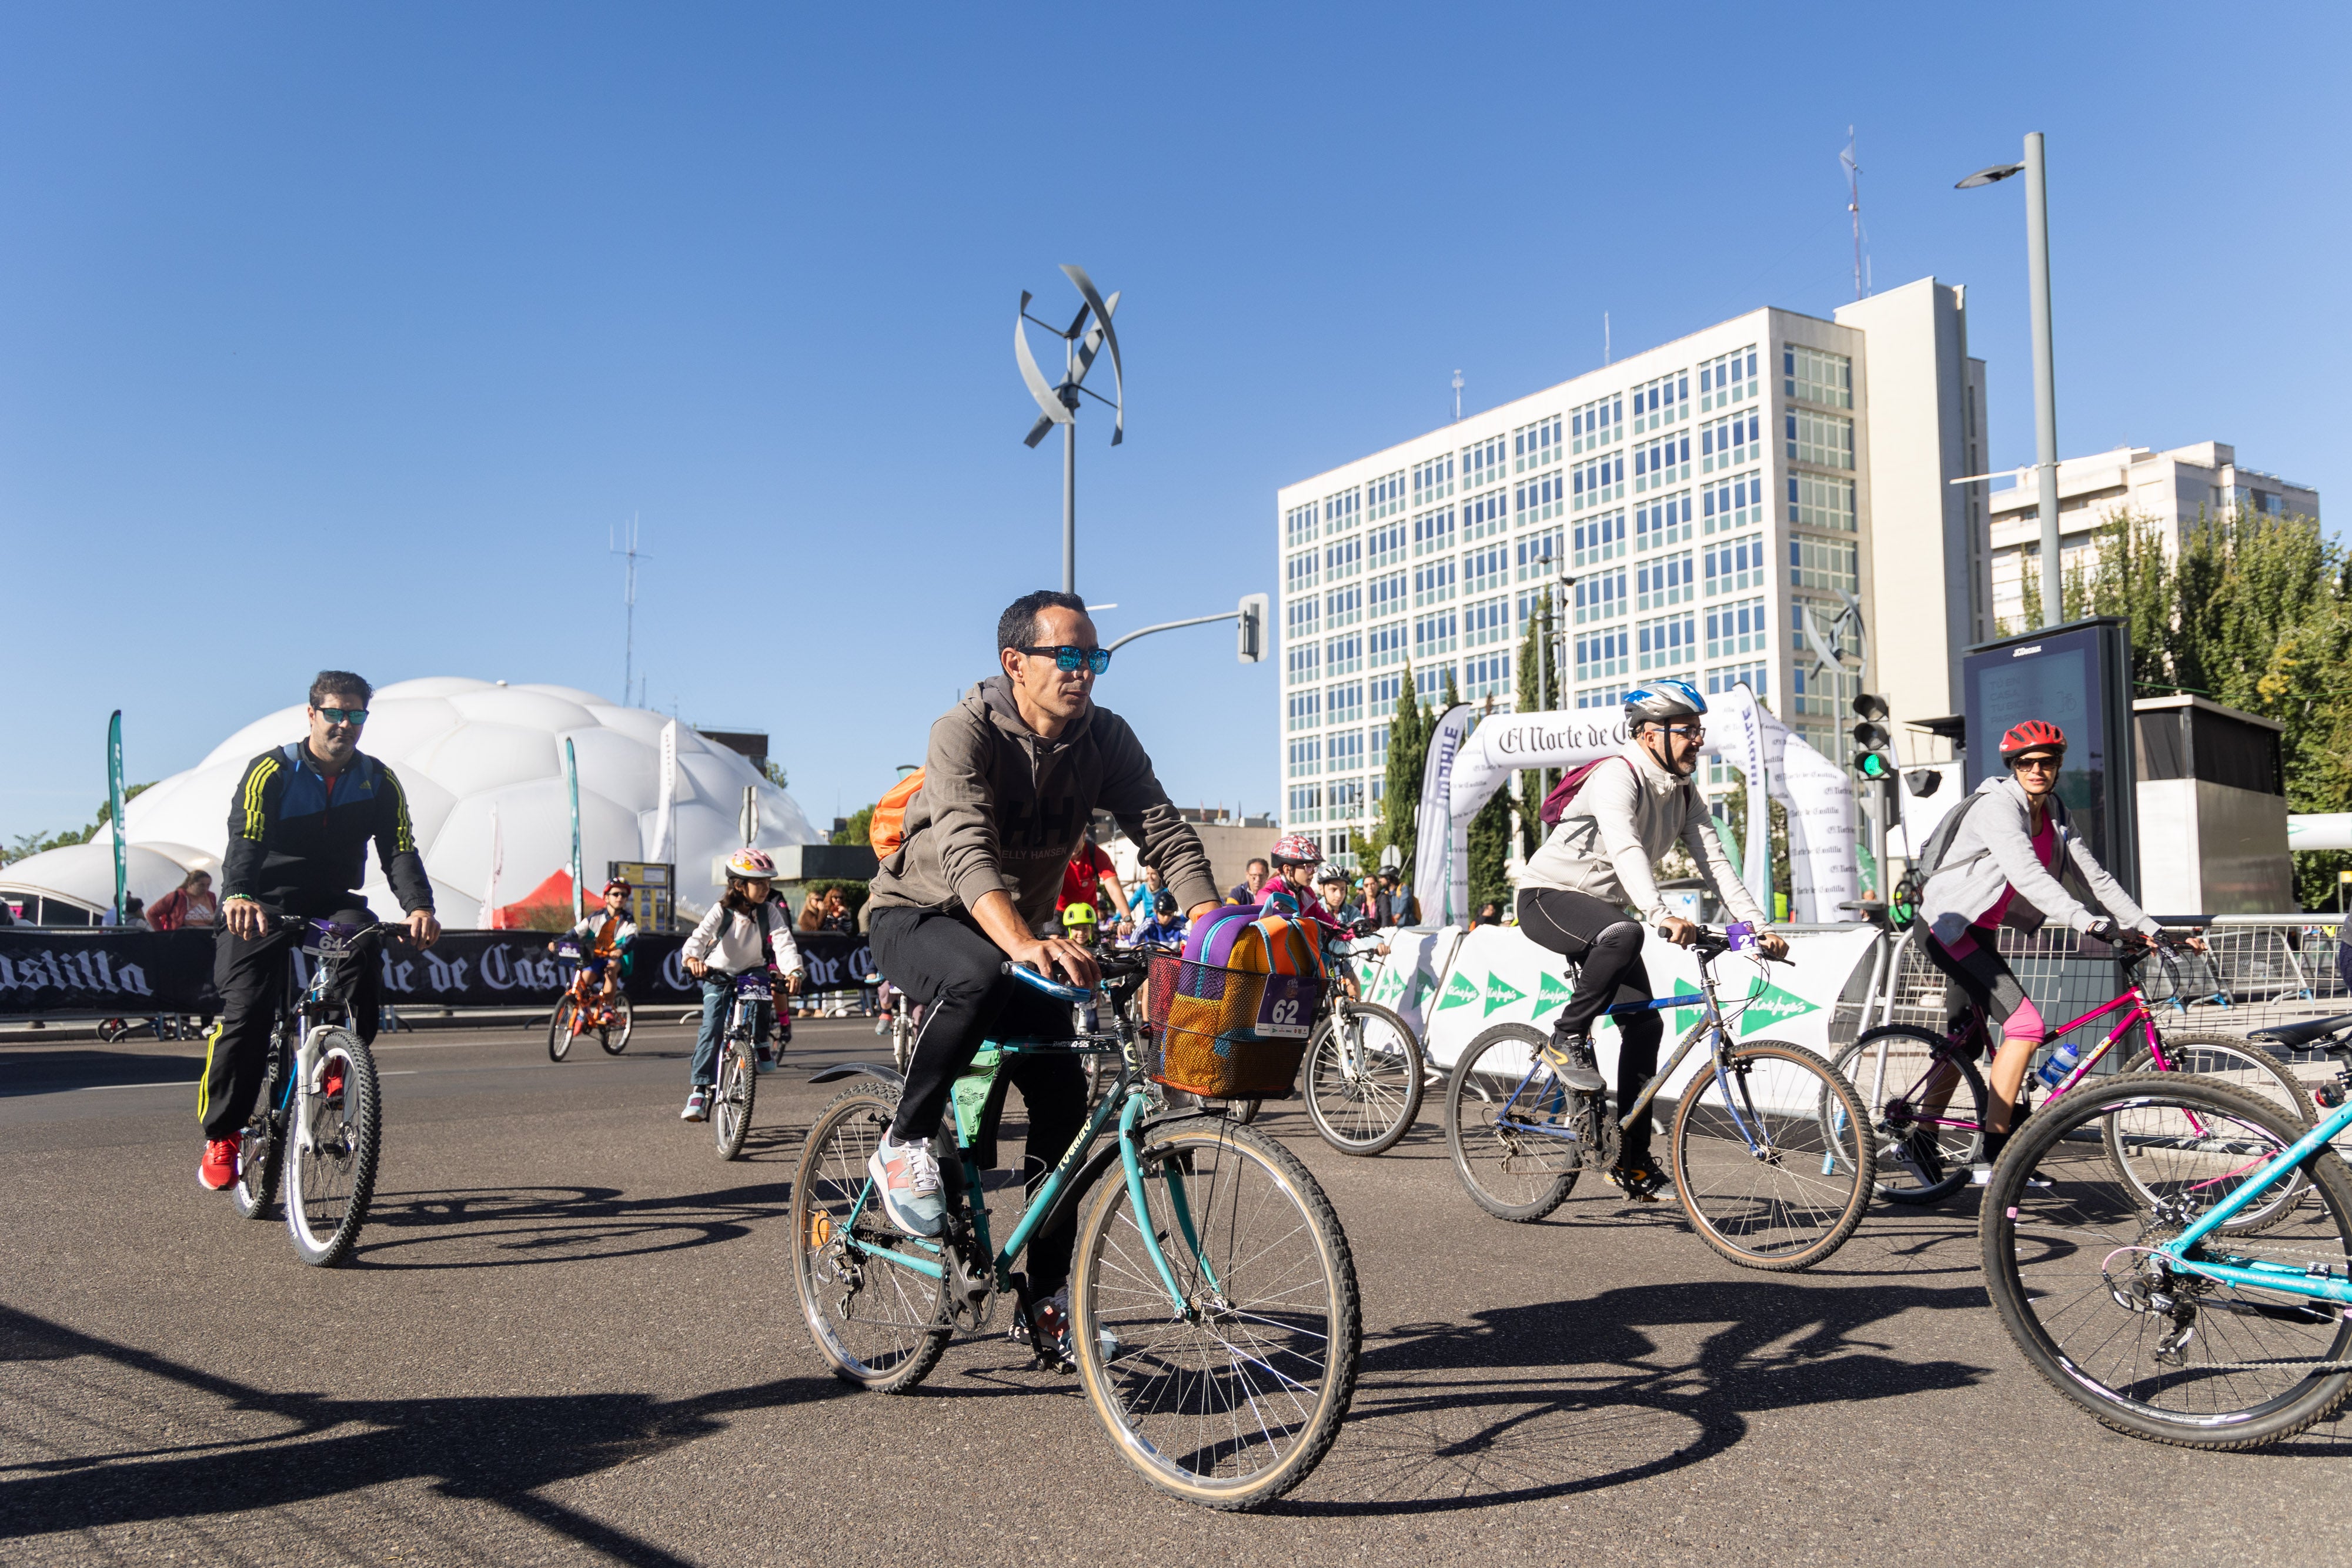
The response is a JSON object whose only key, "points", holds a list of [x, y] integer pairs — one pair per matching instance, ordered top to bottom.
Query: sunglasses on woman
{"points": [[1067, 658]]}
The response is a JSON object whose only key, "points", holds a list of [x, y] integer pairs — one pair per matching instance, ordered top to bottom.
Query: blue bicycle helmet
{"points": [[1660, 701]]}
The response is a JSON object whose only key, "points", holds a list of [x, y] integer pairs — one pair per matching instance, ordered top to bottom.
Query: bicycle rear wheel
{"points": [[562, 1026], [614, 1036], [2226, 1059], [1363, 1079], [731, 1097], [1516, 1133], [260, 1154], [1773, 1157], [1921, 1158], [331, 1172], [881, 1324], [2147, 1347], [1236, 1400]]}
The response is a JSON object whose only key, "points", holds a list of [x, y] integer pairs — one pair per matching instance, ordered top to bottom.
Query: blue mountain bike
{"points": [[2134, 1247]]}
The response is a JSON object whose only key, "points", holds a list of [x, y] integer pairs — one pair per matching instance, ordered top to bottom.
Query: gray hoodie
{"points": [[1002, 807], [1621, 822], [1992, 850]]}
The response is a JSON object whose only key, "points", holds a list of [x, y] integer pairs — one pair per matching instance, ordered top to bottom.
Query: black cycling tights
{"points": [[1606, 942]]}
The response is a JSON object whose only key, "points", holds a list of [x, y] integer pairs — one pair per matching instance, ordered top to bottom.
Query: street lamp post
{"points": [[2045, 367]]}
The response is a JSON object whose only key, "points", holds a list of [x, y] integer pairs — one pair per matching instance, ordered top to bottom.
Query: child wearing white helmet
{"points": [[750, 928]]}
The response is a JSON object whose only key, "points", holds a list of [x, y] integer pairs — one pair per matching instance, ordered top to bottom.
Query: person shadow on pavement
{"points": [[500, 1450]]}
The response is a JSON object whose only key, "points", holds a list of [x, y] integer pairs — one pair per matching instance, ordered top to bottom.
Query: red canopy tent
{"points": [[555, 892]]}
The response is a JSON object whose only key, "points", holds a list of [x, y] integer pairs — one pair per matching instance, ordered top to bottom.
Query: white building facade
{"points": [[2174, 489], [1701, 496]]}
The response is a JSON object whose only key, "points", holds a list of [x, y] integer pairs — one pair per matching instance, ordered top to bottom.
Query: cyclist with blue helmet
{"points": [[1595, 867]]}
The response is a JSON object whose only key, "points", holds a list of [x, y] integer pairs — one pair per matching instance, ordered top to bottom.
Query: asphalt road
{"points": [[569, 1335]]}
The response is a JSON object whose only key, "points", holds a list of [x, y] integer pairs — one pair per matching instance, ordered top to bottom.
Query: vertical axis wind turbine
{"points": [[1853, 204], [1059, 401]]}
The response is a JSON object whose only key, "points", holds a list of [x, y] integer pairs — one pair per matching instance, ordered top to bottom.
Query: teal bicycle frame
{"points": [[1130, 1101], [2266, 1276]]}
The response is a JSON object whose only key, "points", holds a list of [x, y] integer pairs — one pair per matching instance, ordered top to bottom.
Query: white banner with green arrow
{"points": [[1498, 975]]}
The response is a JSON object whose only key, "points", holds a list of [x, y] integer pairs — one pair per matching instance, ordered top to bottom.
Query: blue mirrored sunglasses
{"points": [[1067, 657], [343, 715]]}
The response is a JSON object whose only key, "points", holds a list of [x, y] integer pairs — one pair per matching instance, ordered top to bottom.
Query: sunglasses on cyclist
{"points": [[1067, 658], [343, 715], [2040, 764]]}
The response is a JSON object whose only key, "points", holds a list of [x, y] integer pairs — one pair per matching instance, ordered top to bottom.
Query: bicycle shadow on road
{"points": [[514, 1226], [1575, 1399], [499, 1449]]}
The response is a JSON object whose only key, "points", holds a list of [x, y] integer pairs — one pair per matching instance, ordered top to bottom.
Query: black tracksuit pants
{"points": [[1606, 942], [946, 962], [251, 978]]}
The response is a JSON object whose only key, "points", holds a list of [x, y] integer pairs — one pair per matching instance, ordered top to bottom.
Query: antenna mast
{"points": [[1854, 205], [1457, 397], [628, 605]]}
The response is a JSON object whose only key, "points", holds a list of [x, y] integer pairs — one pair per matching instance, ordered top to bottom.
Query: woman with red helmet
{"points": [[2003, 866]]}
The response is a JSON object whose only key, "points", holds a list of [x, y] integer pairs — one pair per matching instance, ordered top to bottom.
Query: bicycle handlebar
{"points": [[1715, 940], [1053, 988]]}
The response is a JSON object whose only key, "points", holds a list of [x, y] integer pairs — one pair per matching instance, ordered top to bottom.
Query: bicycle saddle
{"points": [[2316, 1035]]}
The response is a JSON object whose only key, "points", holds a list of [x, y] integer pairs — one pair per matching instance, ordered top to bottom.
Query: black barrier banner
{"points": [[104, 971]]}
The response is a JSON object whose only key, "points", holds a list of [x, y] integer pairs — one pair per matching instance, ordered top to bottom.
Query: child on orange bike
{"points": [[606, 939]]}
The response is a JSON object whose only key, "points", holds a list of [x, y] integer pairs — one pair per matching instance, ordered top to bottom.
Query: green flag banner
{"points": [[114, 812]]}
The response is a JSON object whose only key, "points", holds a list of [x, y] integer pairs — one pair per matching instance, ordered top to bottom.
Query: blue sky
{"points": [[343, 335]]}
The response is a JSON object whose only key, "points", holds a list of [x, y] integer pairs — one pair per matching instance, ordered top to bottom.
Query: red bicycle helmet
{"points": [[2033, 735], [1296, 849]]}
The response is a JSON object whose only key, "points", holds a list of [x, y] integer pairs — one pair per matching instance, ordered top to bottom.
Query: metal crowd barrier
{"points": [[2263, 969]]}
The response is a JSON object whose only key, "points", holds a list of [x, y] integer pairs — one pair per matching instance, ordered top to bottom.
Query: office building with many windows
{"points": [[1686, 509]]}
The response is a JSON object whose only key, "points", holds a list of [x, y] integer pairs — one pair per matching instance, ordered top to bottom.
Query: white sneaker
{"points": [[697, 1106], [907, 1178]]}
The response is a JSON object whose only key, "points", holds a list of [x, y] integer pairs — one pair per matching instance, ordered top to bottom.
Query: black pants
{"points": [[1606, 942], [946, 962], [1977, 976], [251, 978]]}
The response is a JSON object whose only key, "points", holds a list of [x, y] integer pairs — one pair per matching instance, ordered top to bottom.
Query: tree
{"points": [[2255, 612], [774, 772], [1535, 783], [1400, 791], [860, 828]]}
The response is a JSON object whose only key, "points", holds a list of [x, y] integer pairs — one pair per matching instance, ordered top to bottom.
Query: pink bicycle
{"points": [[1909, 1078]]}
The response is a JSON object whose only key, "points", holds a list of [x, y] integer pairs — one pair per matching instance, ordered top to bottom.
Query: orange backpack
{"points": [[888, 829]]}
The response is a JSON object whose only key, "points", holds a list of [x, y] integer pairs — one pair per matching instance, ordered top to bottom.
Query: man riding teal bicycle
{"points": [[1013, 775]]}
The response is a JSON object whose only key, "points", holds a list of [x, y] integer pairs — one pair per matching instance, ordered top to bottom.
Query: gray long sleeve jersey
{"points": [[1002, 807], [1621, 821]]}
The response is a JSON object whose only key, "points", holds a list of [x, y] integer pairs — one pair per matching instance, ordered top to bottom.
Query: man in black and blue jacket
{"points": [[299, 828]]}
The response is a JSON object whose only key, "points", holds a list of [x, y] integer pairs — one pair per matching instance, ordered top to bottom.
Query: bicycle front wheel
{"points": [[562, 1026], [613, 1034], [2226, 1059], [1363, 1079], [731, 1097], [1518, 1134], [335, 1136], [1924, 1148], [1773, 1157], [876, 1315], [2147, 1344], [1233, 1398]]}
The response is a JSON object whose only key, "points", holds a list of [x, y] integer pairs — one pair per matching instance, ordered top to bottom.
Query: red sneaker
{"points": [[219, 1168]]}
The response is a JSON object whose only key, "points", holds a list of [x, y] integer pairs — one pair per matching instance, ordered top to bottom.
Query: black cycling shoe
{"points": [[1570, 1057], [1922, 1151], [1637, 1182], [1044, 1327]]}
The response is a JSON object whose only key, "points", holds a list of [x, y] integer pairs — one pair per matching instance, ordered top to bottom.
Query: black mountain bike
{"points": [[319, 1104]]}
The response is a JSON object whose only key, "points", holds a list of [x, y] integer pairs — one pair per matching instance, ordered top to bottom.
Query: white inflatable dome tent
{"points": [[462, 747]]}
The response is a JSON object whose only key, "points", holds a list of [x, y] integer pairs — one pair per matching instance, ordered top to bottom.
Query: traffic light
{"points": [[1872, 761]]}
